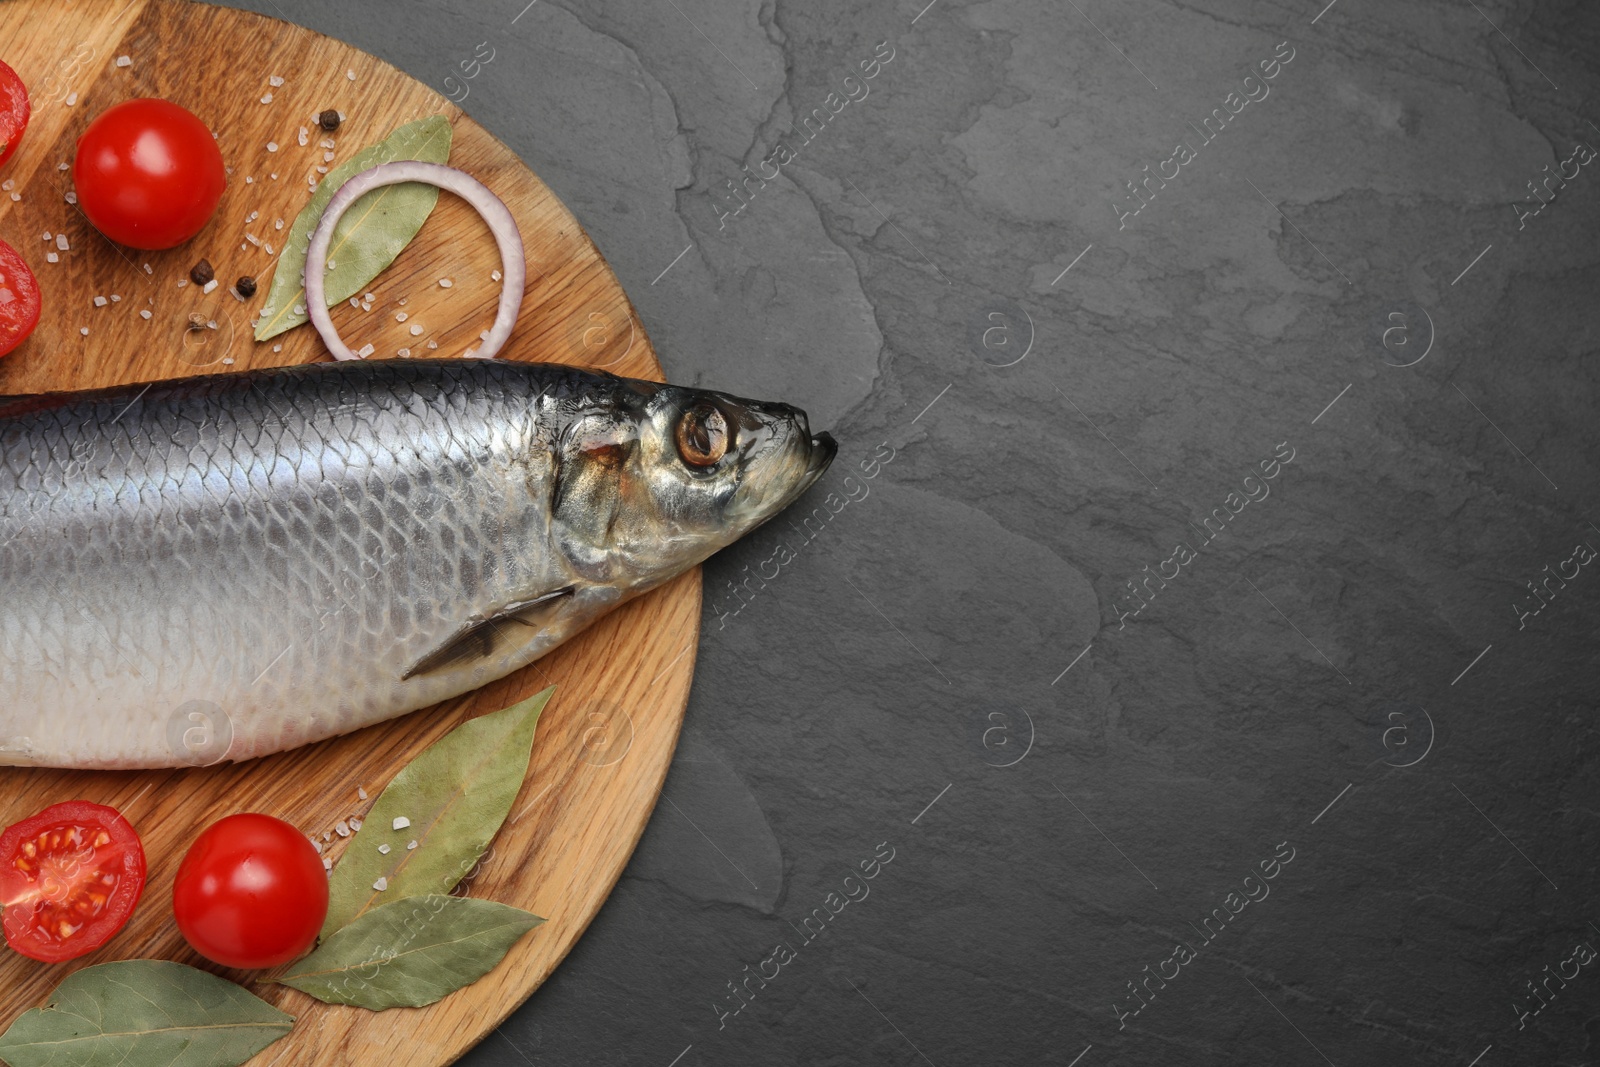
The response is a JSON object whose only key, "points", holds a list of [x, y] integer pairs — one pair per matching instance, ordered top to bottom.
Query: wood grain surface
{"points": [[606, 739]]}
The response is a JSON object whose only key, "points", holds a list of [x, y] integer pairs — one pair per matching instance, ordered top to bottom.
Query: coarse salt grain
{"points": [[124, 61], [350, 74], [274, 81], [72, 98], [266, 98], [304, 137], [326, 142], [272, 146], [327, 157], [63, 166], [320, 170], [274, 175], [8, 185], [15, 197], [71, 197], [252, 216], [277, 224], [47, 235], [253, 239], [61, 241], [51, 257], [147, 269], [494, 275], [182, 282], [445, 283], [209, 286], [366, 296], [115, 298], [100, 301], [354, 302], [299, 309], [144, 313], [401, 316], [84, 330], [416, 331], [484, 335], [433, 344], [277, 348], [364, 351], [404, 353], [361, 793], [401, 822], [355, 823], [341, 828], [314, 842], [411, 846], [383, 850], [327, 863], [381, 884]]}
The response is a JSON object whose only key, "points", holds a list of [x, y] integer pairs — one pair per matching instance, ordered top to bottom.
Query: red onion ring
{"points": [[492, 208]]}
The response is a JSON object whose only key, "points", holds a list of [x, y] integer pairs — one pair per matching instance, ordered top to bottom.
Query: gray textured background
{"points": [[1343, 673]]}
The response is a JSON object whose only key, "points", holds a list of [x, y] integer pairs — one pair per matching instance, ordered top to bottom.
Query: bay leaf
{"points": [[369, 235], [453, 796], [410, 952], [135, 1013]]}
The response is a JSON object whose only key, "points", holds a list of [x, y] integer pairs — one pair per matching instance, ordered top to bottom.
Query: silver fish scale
{"points": [[242, 564]]}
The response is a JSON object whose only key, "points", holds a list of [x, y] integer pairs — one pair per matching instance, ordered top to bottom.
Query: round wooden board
{"points": [[606, 739]]}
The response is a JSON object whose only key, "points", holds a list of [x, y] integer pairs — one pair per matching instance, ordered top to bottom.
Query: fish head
{"points": [[658, 477]]}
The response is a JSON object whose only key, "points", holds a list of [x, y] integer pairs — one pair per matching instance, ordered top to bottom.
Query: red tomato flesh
{"points": [[13, 111], [148, 174], [19, 299], [69, 878], [251, 893]]}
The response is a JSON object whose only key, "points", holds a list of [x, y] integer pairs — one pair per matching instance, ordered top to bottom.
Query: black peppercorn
{"points": [[328, 120], [201, 272], [246, 286]]}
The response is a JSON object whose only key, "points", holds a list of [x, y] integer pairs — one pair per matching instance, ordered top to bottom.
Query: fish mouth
{"points": [[823, 449], [818, 455]]}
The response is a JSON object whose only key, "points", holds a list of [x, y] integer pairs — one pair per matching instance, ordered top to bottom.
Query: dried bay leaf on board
{"points": [[369, 235], [453, 797], [410, 952], [135, 1013]]}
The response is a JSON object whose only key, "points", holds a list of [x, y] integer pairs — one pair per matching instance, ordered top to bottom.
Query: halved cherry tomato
{"points": [[13, 111], [148, 173], [19, 299], [69, 878], [252, 892]]}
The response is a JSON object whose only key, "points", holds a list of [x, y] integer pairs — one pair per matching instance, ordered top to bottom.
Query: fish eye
{"points": [[702, 435]]}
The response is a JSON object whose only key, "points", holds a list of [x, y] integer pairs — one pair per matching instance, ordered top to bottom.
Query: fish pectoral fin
{"points": [[479, 635]]}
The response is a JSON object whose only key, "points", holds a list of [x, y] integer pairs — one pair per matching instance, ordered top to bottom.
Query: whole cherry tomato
{"points": [[13, 111], [148, 174], [19, 299], [69, 878], [251, 892]]}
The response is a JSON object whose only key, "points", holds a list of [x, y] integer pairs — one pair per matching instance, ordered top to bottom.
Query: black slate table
{"points": [[1191, 657]]}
